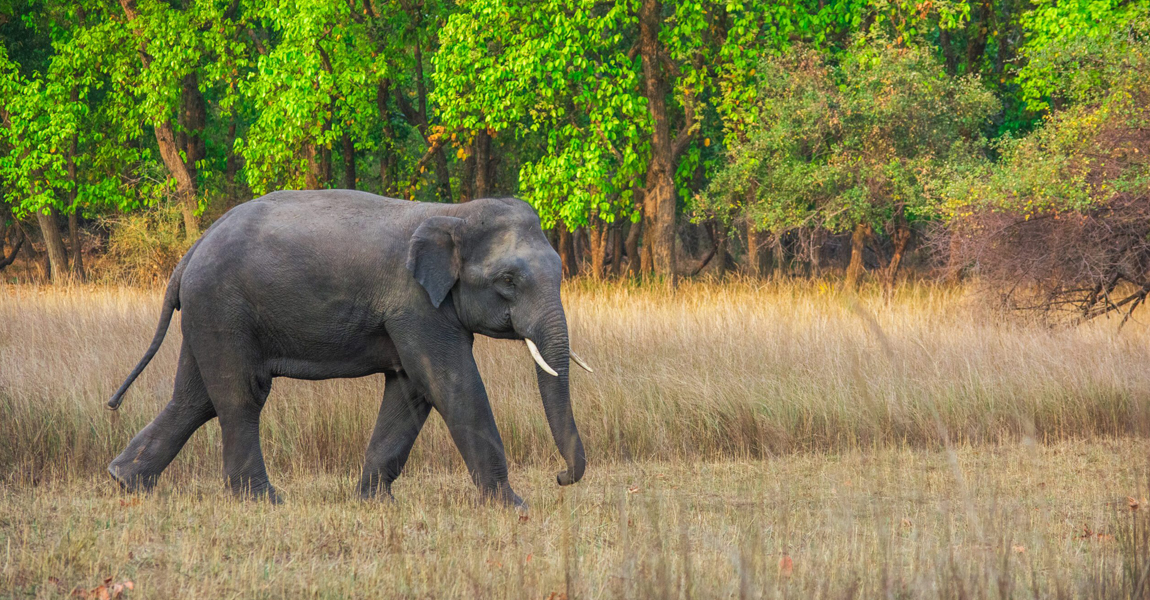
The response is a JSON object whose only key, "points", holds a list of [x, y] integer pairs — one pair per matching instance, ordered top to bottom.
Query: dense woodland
{"points": [[1005, 139]]}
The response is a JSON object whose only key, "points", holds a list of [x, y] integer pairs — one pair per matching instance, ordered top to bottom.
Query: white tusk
{"points": [[539, 357], [579, 361]]}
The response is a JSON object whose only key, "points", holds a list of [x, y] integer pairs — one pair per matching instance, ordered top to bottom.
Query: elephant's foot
{"points": [[130, 477], [256, 490], [507, 497]]}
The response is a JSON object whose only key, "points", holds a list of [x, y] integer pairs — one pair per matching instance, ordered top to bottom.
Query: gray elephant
{"points": [[338, 283]]}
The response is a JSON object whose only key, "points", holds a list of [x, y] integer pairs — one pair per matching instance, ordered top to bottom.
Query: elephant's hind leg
{"points": [[239, 396], [401, 416], [154, 447]]}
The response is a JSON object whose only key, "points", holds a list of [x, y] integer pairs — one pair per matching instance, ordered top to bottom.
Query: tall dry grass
{"points": [[708, 371]]}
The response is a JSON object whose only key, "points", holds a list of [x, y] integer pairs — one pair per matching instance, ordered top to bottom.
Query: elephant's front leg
{"points": [[437, 356], [467, 413], [401, 416]]}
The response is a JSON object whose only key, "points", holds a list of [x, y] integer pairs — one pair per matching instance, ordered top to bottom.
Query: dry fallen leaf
{"points": [[633, 489], [1089, 534], [786, 566], [106, 590]]}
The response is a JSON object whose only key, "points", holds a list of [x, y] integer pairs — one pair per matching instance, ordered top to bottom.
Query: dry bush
{"points": [[145, 246]]}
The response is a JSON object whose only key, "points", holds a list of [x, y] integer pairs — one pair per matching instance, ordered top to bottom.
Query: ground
{"points": [[984, 519]]}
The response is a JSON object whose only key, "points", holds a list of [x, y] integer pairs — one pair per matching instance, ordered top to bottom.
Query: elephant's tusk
{"points": [[539, 357], [579, 361]]}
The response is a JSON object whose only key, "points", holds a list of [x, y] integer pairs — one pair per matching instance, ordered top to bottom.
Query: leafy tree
{"points": [[855, 147], [1062, 222]]}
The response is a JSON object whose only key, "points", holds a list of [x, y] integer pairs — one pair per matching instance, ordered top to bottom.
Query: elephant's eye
{"points": [[507, 279]]}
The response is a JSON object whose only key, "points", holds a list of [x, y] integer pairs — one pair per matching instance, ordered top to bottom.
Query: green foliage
{"points": [[1075, 49], [559, 72], [857, 142], [1085, 155]]}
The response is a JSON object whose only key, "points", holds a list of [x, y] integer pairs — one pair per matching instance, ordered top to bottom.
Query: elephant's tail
{"points": [[171, 303]]}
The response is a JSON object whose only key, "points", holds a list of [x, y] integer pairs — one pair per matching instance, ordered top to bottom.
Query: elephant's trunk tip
{"points": [[574, 473]]}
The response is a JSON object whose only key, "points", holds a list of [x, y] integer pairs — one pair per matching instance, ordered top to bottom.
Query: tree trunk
{"points": [[976, 43], [947, 51], [193, 118], [166, 140], [324, 153], [386, 156], [482, 156], [314, 167], [442, 176], [349, 178], [185, 183], [659, 198], [73, 216], [598, 231], [900, 238], [720, 241], [17, 242], [631, 246], [77, 247], [617, 249], [567, 250], [780, 254], [754, 255], [57, 258], [855, 269]]}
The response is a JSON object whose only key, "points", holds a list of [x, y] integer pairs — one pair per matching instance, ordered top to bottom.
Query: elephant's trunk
{"points": [[550, 337]]}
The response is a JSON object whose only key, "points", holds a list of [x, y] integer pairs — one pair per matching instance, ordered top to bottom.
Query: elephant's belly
{"points": [[327, 361]]}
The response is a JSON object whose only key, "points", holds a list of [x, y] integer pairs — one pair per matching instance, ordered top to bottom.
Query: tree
{"points": [[856, 146], [1061, 224]]}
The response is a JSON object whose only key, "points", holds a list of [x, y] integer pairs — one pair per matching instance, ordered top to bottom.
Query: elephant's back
{"points": [[286, 242]]}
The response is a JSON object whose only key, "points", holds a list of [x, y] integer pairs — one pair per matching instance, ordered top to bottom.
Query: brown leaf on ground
{"points": [[1090, 534], [786, 566], [106, 590]]}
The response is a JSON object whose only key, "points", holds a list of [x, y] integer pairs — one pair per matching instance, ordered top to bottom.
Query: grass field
{"points": [[743, 440]]}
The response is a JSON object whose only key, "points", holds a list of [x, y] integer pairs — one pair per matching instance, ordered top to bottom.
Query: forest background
{"points": [[1007, 139]]}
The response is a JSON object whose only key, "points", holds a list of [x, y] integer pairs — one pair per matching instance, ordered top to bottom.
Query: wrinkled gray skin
{"points": [[336, 283]]}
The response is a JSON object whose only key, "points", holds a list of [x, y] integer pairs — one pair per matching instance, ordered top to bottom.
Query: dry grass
{"points": [[710, 372], [910, 447], [982, 522]]}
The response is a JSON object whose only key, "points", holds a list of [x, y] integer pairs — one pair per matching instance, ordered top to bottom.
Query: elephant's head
{"points": [[503, 279]]}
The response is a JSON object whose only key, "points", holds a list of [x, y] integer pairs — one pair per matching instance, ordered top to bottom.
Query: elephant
{"points": [[340, 283]]}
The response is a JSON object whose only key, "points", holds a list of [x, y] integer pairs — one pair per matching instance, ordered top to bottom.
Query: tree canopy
{"points": [[633, 126]]}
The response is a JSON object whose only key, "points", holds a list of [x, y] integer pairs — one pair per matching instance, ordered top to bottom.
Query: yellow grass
{"points": [[920, 446]]}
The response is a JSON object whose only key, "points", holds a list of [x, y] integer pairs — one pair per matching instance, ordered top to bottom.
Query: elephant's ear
{"points": [[433, 257]]}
